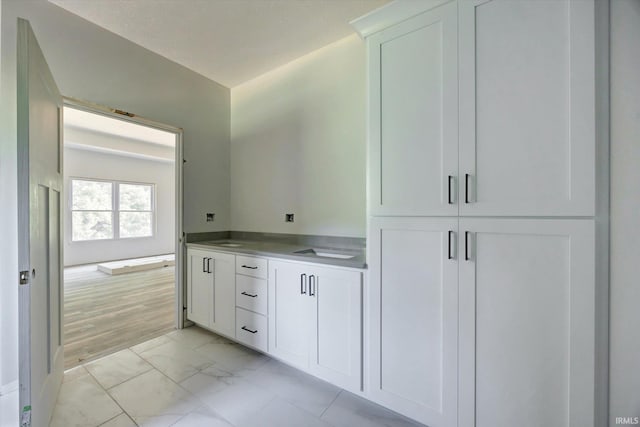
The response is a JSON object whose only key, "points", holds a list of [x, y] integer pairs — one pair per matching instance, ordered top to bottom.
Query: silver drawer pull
{"points": [[252, 268], [249, 295], [249, 330]]}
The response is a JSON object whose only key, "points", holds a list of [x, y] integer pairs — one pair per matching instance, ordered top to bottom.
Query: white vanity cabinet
{"points": [[211, 290], [251, 301], [315, 320]]}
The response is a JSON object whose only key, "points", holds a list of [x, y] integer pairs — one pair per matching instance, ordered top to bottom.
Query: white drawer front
{"points": [[251, 266], [251, 293], [251, 329]]}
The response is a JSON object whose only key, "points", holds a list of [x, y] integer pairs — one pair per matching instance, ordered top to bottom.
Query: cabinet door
{"points": [[527, 108], [413, 122], [199, 287], [289, 305], [413, 317], [223, 318], [527, 323], [336, 342]]}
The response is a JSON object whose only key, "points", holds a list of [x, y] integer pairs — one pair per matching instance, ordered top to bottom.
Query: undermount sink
{"points": [[229, 245], [321, 253]]}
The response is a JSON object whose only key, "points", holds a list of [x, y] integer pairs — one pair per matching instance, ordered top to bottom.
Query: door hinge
{"points": [[24, 277]]}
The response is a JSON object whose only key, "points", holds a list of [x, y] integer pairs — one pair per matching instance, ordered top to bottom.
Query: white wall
{"points": [[93, 64], [298, 145], [80, 163], [625, 210]]}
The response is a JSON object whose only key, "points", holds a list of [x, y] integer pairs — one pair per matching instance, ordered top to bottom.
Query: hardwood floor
{"points": [[104, 313]]}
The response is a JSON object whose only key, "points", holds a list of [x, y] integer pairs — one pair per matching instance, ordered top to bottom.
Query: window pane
{"points": [[91, 195], [135, 197], [135, 224], [89, 225]]}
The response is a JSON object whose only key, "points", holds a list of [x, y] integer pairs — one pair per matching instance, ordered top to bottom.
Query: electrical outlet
{"points": [[210, 217], [288, 217]]}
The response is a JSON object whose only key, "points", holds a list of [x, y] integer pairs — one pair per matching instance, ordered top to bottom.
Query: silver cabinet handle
{"points": [[450, 199], [450, 255], [204, 265], [208, 265], [251, 268], [303, 284], [312, 285], [249, 295], [244, 328]]}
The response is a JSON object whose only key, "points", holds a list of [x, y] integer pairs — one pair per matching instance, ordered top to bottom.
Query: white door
{"points": [[413, 86], [527, 108], [39, 228], [200, 276], [224, 293], [289, 305], [413, 315], [527, 323], [335, 350]]}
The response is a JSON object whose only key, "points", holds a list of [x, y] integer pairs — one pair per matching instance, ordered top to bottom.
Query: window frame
{"points": [[115, 208]]}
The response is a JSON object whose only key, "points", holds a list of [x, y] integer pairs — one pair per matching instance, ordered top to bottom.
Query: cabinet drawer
{"points": [[251, 266], [251, 293], [251, 329]]}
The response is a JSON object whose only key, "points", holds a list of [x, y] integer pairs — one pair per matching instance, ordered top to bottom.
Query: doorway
{"points": [[122, 227]]}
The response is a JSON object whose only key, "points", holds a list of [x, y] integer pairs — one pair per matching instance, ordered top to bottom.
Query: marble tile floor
{"points": [[195, 378], [9, 409]]}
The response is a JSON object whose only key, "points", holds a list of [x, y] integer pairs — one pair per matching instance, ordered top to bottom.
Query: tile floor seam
{"points": [[198, 370], [130, 378], [170, 379], [108, 394], [332, 402], [111, 419]]}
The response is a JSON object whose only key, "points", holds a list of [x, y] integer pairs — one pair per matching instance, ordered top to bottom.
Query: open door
{"points": [[39, 230]]}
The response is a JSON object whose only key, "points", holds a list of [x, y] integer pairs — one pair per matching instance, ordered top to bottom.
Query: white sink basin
{"points": [[229, 245], [321, 253]]}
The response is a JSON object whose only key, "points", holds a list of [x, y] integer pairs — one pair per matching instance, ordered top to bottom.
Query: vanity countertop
{"points": [[352, 258]]}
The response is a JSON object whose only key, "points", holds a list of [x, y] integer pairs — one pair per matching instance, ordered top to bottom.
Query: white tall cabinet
{"points": [[482, 198]]}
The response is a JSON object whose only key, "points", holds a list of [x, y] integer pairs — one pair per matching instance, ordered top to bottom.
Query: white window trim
{"points": [[115, 209]]}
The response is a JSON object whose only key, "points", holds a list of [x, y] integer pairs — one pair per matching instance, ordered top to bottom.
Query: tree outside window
{"points": [[102, 210]]}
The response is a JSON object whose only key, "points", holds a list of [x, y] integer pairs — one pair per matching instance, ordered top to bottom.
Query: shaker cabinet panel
{"points": [[413, 107], [527, 108], [199, 287], [211, 290], [413, 291], [224, 294], [315, 321], [289, 326], [527, 343], [336, 346]]}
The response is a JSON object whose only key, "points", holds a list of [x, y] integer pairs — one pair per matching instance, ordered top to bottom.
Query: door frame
{"points": [[180, 272]]}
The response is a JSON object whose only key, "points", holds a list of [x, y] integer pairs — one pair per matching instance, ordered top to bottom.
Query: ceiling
{"points": [[228, 41]]}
